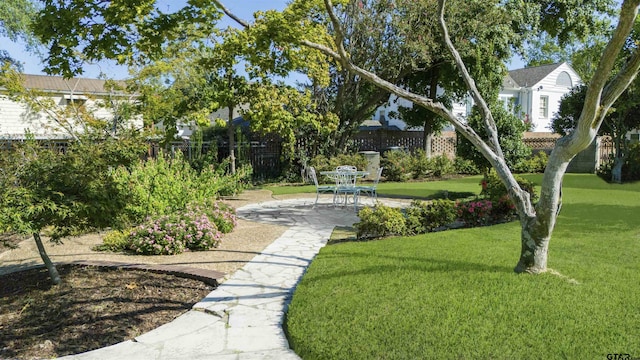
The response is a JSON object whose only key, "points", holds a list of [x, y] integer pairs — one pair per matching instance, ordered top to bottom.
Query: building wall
{"points": [[547, 87], [16, 119]]}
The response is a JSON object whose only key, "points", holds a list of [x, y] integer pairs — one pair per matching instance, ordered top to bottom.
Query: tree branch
{"points": [[593, 111], [490, 123]]}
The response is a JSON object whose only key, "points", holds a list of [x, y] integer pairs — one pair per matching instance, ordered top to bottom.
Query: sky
{"points": [[243, 8], [33, 65]]}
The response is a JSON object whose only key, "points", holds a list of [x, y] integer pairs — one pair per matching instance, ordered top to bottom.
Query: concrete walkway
{"points": [[242, 318]]}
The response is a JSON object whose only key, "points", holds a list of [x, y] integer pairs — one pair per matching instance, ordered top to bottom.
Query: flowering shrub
{"points": [[475, 213], [221, 214], [169, 235]]}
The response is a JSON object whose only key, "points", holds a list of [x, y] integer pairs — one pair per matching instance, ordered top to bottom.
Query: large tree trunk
{"points": [[53, 272]]}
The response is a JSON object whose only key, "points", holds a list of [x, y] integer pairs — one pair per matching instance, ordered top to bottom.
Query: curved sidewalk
{"points": [[242, 318]]}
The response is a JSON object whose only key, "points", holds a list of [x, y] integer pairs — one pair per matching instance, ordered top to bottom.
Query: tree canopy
{"points": [[308, 32]]}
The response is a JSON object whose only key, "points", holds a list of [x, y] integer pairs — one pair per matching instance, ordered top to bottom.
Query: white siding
{"points": [[548, 87], [15, 119]]}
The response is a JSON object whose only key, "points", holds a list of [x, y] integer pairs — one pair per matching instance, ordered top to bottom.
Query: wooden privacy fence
{"points": [[443, 144], [264, 152]]}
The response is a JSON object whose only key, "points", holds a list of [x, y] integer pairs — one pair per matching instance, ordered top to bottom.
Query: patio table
{"points": [[345, 185]]}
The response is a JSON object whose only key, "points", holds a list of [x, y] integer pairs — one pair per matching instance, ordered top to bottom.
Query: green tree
{"points": [[15, 22], [290, 37], [622, 117], [510, 129], [62, 193]]}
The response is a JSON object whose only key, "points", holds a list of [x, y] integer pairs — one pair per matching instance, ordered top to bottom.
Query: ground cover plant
{"points": [[453, 294]]}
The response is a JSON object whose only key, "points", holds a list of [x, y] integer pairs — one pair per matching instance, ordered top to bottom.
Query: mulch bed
{"points": [[93, 307]]}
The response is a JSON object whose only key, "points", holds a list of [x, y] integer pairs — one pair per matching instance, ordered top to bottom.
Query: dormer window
{"points": [[564, 79], [77, 100]]}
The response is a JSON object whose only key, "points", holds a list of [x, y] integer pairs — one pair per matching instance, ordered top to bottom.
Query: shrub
{"points": [[323, 163], [534, 164], [397, 165], [420, 165], [442, 166], [465, 167], [163, 186], [494, 190], [475, 213], [221, 214], [427, 216], [380, 221], [171, 234], [115, 241]]}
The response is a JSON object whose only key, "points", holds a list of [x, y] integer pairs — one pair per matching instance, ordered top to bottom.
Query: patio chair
{"points": [[346, 185], [320, 189], [371, 190]]}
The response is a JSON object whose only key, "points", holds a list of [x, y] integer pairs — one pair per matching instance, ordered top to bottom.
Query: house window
{"points": [[564, 79], [544, 106], [634, 138]]}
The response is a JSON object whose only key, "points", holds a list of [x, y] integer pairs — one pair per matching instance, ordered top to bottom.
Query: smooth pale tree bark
{"points": [[537, 222], [53, 272]]}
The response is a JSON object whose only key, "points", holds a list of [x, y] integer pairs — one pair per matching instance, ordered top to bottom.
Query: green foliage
{"points": [[510, 129], [323, 163], [535, 164], [397, 165], [465, 167], [630, 168], [165, 185], [493, 189], [69, 192], [423, 217], [380, 221], [172, 234], [115, 241]]}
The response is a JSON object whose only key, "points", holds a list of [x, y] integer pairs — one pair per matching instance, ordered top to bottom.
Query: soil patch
{"points": [[96, 307], [92, 308]]}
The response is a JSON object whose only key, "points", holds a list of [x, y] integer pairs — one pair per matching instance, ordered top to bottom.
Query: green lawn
{"points": [[423, 190], [454, 295]]}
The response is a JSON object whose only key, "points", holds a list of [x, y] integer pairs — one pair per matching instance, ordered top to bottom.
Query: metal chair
{"points": [[346, 186], [321, 188], [371, 190]]}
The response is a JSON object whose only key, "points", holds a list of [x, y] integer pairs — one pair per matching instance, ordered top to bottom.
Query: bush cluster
{"points": [[323, 163], [402, 165], [630, 168], [166, 185], [491, 207], [425, 216], [380, 221], [172, 234]]}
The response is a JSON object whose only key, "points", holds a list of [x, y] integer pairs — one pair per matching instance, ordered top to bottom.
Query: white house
{"points": [[536, 91], [16, 118]]}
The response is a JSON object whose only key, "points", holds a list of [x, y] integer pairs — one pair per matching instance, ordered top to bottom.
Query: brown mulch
{"points": [[95, 306], [92, 308]]}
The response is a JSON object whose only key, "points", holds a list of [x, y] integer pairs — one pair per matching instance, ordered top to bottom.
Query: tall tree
{"points": [[15, 20], [302, 33]]}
